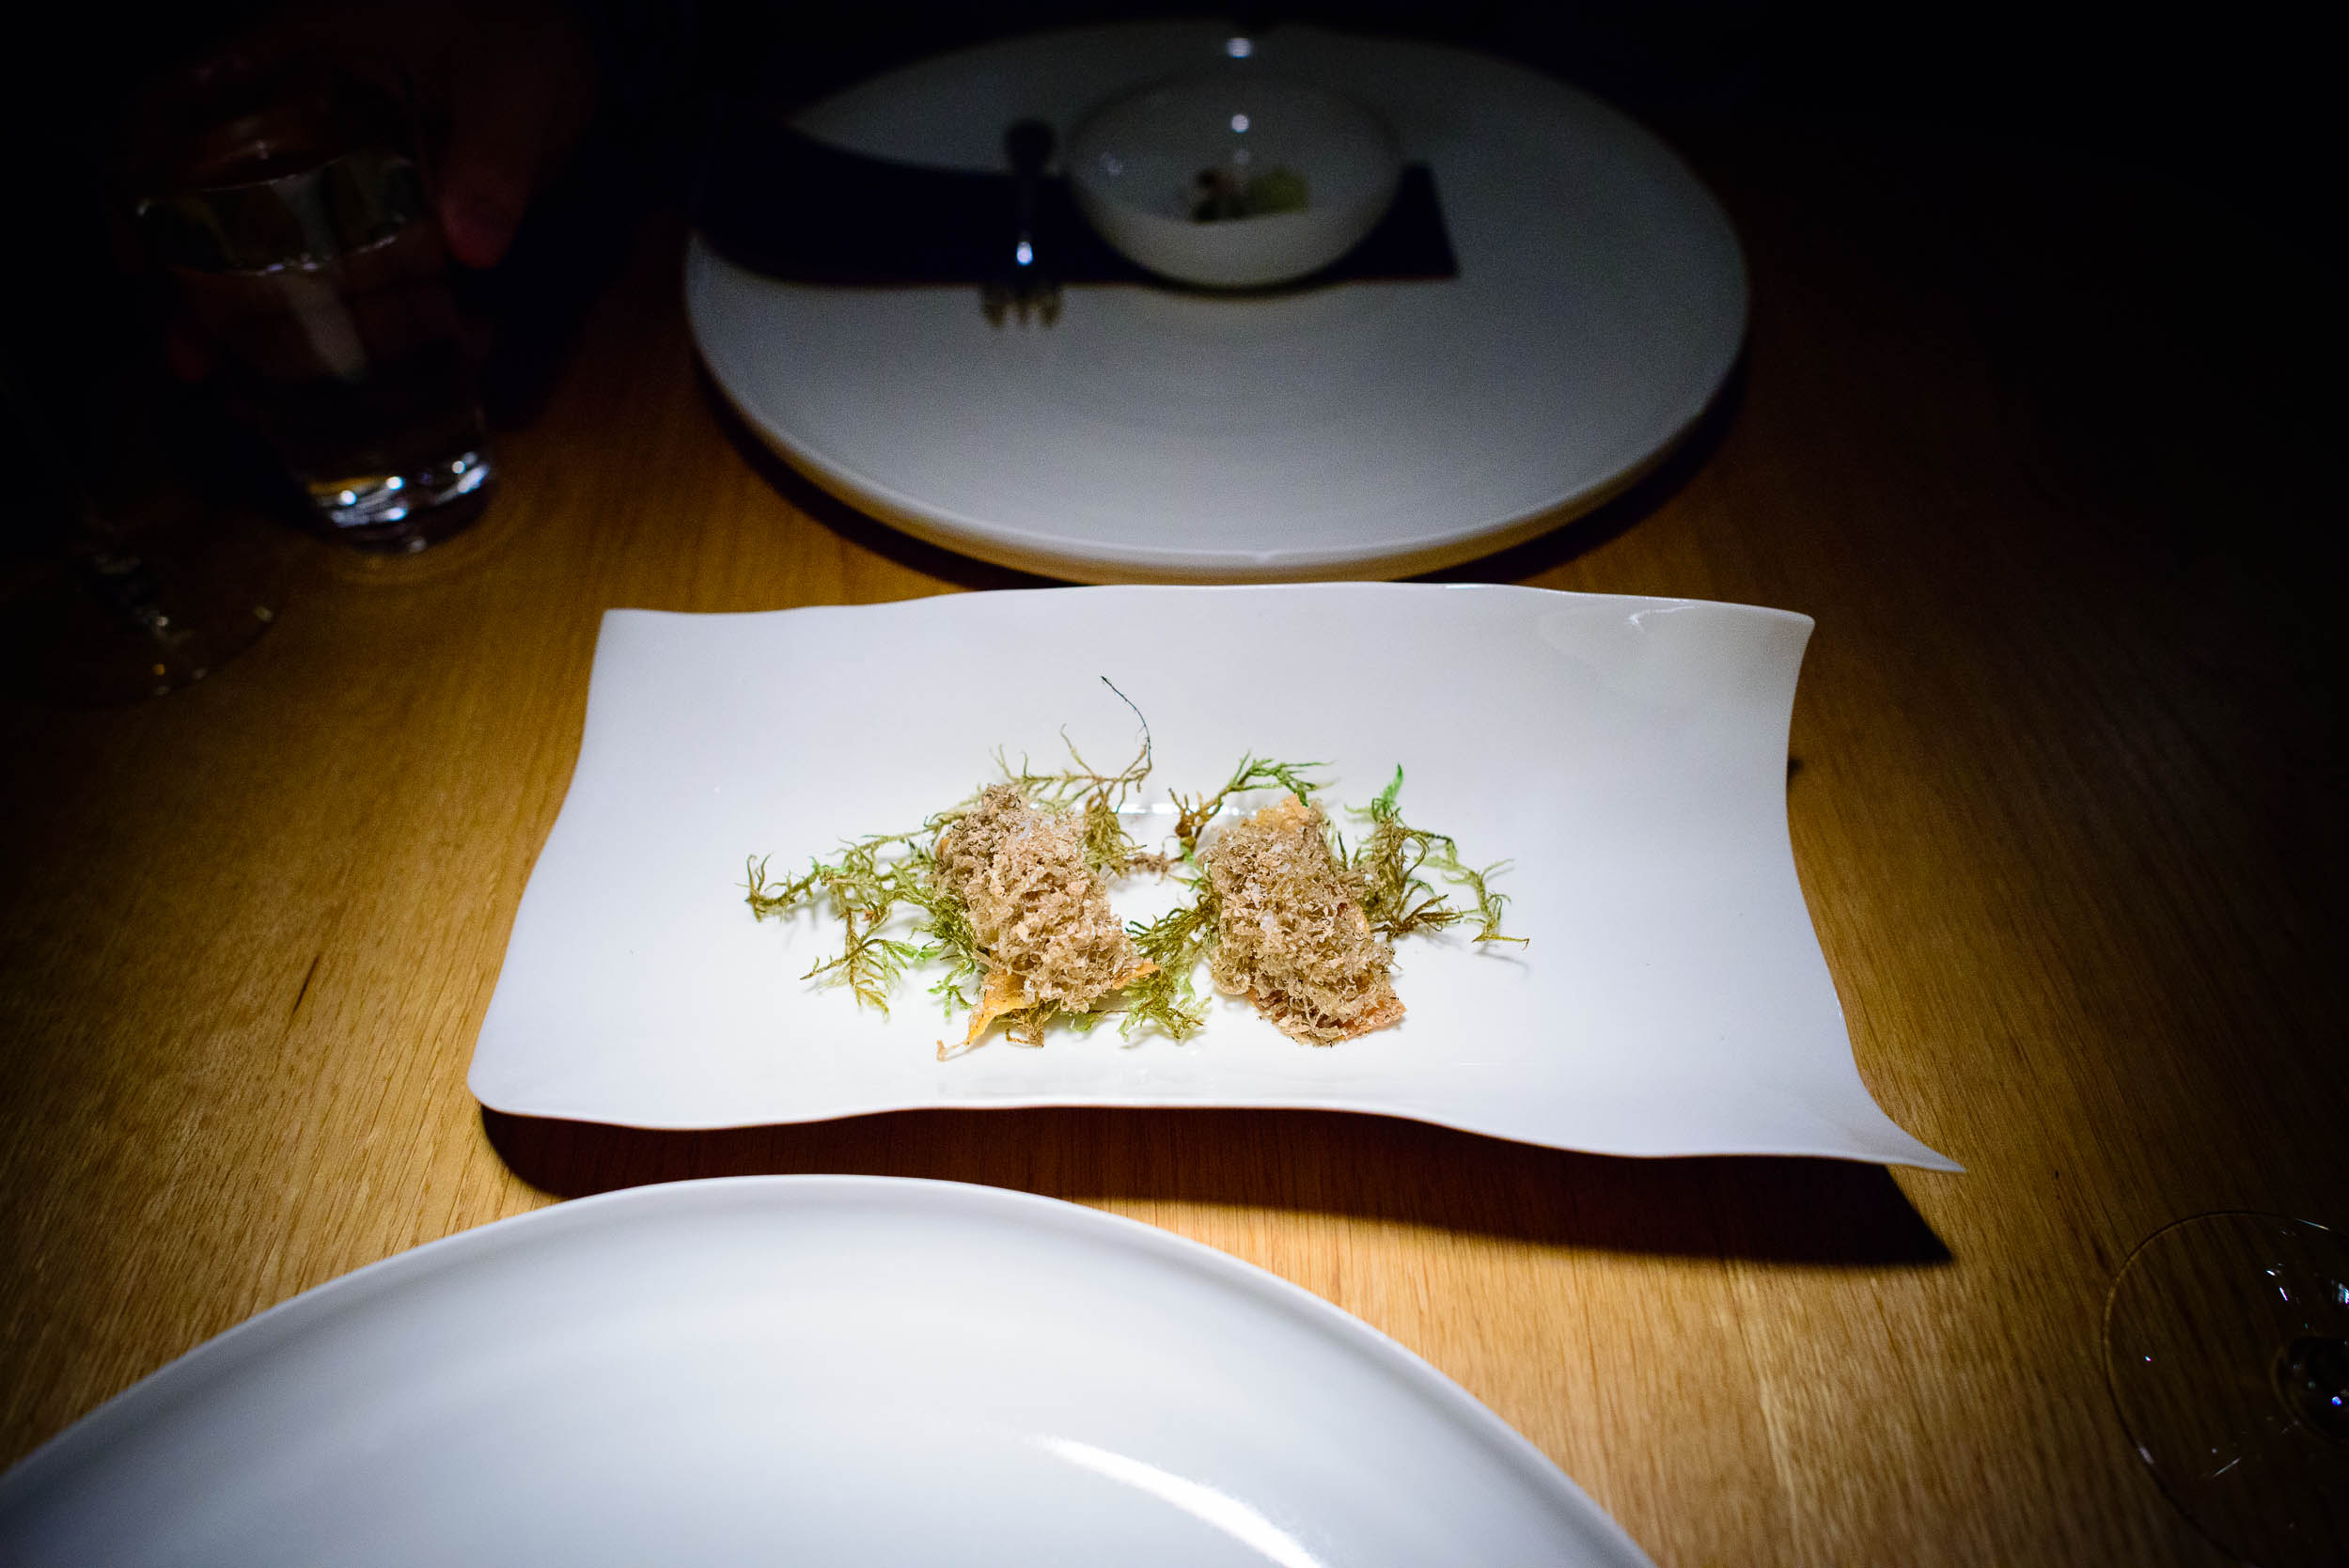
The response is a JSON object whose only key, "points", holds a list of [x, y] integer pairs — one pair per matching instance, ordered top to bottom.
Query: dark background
{"points": [[2234, 108]]}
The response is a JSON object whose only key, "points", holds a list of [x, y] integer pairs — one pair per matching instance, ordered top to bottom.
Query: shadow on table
{"points": [[1569, 538], [1777, 1210]]}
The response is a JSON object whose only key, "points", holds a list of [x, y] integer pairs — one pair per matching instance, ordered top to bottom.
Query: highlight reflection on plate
{"points": [[821, 1369]]}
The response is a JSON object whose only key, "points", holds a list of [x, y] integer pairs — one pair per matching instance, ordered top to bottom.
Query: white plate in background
{"points": [[1355, 430], [1627, 756], [817, 1370]]}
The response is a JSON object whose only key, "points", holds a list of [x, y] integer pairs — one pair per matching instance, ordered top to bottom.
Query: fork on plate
{"points": [[1025, 283]]}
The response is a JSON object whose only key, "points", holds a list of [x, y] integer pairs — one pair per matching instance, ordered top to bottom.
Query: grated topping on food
{"points": [[1011, 889], [1041, 917], [1292, 933]]}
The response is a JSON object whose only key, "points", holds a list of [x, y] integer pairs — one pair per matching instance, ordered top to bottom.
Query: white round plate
{"points": [[1350, 430], [811, 1370]]}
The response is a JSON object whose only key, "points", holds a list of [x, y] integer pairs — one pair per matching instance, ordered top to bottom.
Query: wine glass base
{"points": [[404, 513], [141, 608], [2226, 1338]]}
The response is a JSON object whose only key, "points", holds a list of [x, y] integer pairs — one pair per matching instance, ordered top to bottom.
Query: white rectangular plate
{"points": [[1627, 757]]}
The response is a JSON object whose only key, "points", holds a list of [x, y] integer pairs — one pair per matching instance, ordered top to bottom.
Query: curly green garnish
{"points": [[874, 883], [1397, 898]]}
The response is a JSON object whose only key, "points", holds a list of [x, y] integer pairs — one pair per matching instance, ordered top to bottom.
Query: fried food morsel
{"points": [[1041, 917], [1290, 930]]}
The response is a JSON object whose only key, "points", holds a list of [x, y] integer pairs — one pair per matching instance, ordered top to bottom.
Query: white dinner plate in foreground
{"points": [[1374, 429], [1627, 757], [815, 1369]]}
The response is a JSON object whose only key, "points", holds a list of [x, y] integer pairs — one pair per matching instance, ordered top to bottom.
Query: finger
{"points": [[497, 147], [492, 163]]}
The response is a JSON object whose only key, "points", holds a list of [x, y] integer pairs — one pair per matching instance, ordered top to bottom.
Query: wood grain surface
{"points": [[2046, 450]]}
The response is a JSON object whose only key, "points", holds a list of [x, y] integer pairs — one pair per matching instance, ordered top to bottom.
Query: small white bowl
{"points": [[1132, 165]]}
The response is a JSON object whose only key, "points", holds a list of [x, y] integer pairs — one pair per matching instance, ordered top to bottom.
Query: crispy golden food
{"points": [[1011, 890], [1041, 918], [1292, 933]]}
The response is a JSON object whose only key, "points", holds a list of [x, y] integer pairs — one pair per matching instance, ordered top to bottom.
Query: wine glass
{"points": [[145, 581], [2227, 1351]]}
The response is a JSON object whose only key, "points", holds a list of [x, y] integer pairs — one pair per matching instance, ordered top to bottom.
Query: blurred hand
{"points": [[520, 86], [503, 87]]}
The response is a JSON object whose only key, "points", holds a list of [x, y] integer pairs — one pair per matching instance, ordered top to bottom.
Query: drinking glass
{"points": [[286, 195], [131, 571], [2227, 1351]]}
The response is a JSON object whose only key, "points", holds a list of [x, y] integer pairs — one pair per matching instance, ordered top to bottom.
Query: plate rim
{"points": [[1071, 560], [1157, 567], [529, 1094], [249, 1343]]}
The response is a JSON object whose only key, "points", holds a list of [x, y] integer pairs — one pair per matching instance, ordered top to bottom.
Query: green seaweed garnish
{"points": [[1254, 773], [873, 882], [1397, 898]]}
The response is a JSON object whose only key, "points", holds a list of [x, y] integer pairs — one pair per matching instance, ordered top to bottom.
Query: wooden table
{"points": [[2036, 444]]}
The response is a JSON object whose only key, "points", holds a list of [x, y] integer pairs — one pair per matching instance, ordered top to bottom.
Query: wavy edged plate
{"points": [[1626, 756]]}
